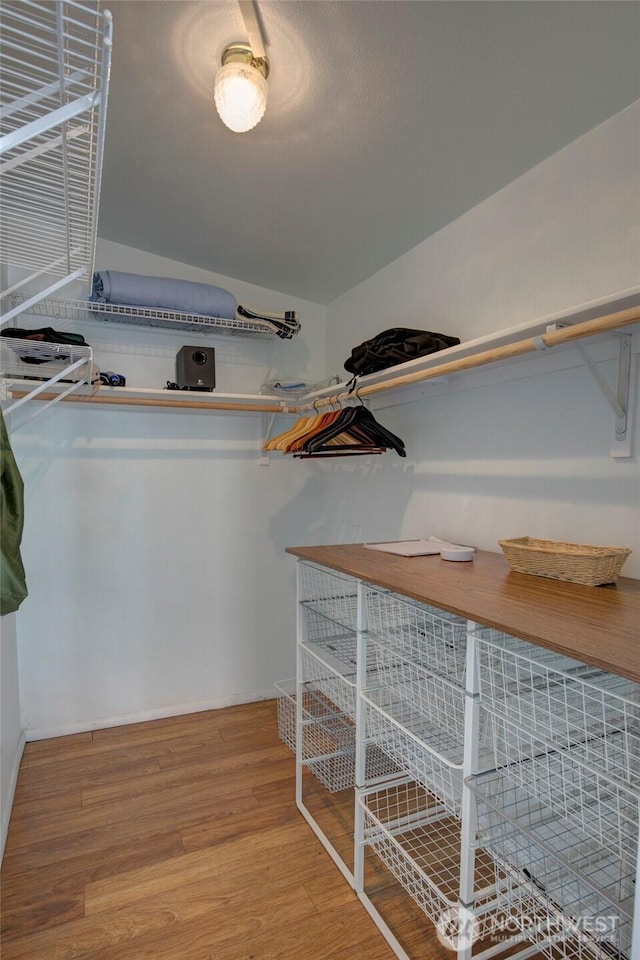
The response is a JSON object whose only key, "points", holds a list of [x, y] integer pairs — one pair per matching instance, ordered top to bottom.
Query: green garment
{"points": [[13, 586]]}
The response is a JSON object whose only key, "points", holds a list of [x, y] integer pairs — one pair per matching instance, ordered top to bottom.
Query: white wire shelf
{"points": [[54, 78], [85, 310], [31, 360], [329, 594], [421, 634], [330, 636], [330, 676], [438, 700], [563, 702], [315, 708], [328, 739], [429, 754], [419, 843], [577, 879], [528, 918]]}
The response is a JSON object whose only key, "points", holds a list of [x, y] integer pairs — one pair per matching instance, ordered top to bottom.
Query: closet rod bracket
{"points": [[617, 399], [268, 421]]}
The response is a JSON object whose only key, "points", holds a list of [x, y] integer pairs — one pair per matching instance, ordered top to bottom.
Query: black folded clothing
{"points": [[393, 346]]}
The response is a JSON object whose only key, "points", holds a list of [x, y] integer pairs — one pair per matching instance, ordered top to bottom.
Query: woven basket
{"points": [[578, 562]]}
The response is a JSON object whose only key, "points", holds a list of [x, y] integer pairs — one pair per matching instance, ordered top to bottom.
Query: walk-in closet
{"points": [[320, 583]]}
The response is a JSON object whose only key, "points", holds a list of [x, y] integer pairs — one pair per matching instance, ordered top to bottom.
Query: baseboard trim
{"points": [[174, 710], [7, 804]]}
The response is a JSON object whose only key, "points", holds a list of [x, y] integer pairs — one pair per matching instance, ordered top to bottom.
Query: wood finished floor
{"points": [[179, 839]]}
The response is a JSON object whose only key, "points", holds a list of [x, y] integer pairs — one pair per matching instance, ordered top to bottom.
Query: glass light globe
{"points": [[240, 93]]}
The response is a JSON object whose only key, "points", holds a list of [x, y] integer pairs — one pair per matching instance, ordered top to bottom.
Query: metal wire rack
{"points": [[54, 77], [82, 310], [36, 360], [35, 366], [329, 594], [325, 633], [418, 633], [330, 658], [329, 675], [436, 699], [563, 702], [315, 708], [328, 739], [429, 754], [570, 783], [419, 843], [585, 885], [528, 918]]}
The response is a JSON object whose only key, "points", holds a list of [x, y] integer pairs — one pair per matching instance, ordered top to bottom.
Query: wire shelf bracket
{"points": [[619, 399]]}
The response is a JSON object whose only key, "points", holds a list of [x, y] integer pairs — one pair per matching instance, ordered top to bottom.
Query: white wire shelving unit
{"points": [[54, 60], [54, 76], [418, 633], [567, 705], [507, 803], [559, 812], [586, 888]]}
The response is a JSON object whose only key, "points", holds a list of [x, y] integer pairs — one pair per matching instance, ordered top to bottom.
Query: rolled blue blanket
{"points": [[129, 289]]}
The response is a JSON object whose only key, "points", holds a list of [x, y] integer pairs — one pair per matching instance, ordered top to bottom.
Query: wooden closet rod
{"points": [[578, 331], [153, 402]]}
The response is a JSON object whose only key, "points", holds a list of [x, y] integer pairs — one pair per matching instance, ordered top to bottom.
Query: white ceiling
{"points": [[387, 119]]}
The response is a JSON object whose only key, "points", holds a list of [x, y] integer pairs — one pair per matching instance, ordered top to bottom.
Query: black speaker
{"points": [[196, 368]]}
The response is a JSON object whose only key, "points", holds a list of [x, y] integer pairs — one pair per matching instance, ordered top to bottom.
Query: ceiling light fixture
{"points": [[241, 88]]}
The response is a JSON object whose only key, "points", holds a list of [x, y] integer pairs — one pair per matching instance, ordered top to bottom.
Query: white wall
{"points": [[566, 232], [490, 456], [154, 542], [11, 734]]}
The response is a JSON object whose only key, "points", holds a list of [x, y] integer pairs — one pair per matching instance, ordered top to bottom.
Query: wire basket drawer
{"points": [[329, 594], [418, 633], [326, 635], [330, 676], [433, 697], [286, 702], [563, 702], [315, 708], [328, 737], [329, 748], [428, 754], [572, 785], [419, 843], [421, 847], [581, 884], [531, 918]]}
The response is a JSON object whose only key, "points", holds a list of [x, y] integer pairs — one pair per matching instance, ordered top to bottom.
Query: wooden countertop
{"points": [[597, 625]]}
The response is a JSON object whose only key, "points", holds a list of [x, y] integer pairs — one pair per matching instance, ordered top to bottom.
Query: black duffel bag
{"points": [[393, 346]]}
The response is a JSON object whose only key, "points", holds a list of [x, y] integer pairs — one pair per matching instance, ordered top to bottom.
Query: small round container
{"points": [[457, 553]]}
